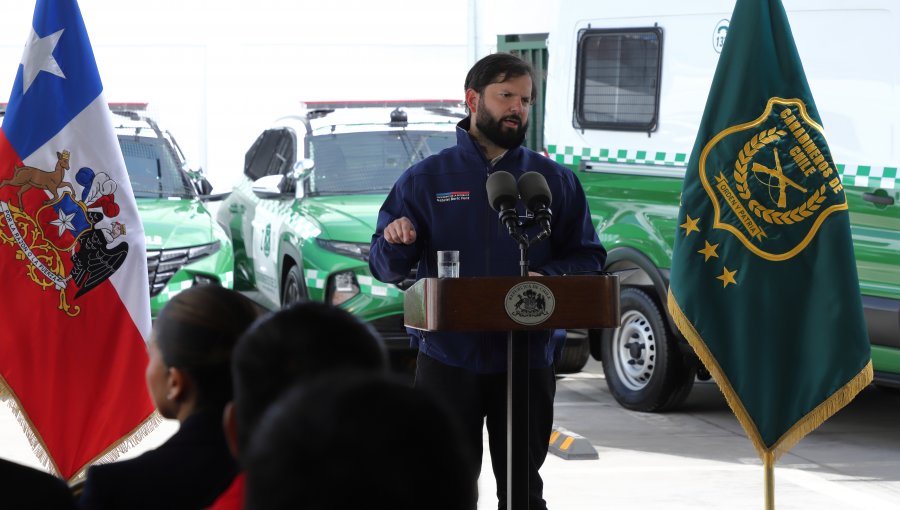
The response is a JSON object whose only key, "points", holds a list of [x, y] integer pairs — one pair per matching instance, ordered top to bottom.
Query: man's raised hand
{"points": [[400, 231]]}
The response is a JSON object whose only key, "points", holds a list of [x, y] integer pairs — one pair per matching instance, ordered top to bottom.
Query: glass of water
{"points": [[448, 264]]}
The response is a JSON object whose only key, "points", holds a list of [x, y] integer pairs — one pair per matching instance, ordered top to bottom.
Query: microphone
{"points": [[503, 195], [537, 197]]}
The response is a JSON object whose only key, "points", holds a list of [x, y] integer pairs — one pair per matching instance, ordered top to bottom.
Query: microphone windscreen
{"points": [[534, 190], [502, 191]]}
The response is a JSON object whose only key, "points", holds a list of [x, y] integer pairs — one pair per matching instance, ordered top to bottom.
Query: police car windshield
{"points": [[370, 162], [153, 169]]}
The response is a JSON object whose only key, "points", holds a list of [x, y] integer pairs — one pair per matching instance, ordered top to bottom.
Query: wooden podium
{"points": [[517, 305]]}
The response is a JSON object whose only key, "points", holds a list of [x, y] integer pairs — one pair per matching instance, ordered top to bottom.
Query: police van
{"points": [[626, 87]]}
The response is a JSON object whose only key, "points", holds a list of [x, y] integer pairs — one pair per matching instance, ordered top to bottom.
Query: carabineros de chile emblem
{"points": [[772, 181]]}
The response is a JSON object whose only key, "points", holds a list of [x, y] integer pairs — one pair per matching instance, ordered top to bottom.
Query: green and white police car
{"points": [[303, 215], [185, 245]]}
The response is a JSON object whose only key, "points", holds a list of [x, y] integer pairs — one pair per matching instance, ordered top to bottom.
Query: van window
{"points": [[617, 79]]}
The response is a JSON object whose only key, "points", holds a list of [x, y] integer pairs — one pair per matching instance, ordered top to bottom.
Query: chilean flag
{"points": [[75, 311]]}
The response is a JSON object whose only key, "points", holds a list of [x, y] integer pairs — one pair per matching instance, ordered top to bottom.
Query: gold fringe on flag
{"points": [[823, 411], [798, 431], [34, 439], [125, 443], [122, 446]]}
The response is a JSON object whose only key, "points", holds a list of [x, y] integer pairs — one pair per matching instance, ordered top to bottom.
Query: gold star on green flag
{"points": [[761, 179], [690, 225], [709, 251], [727, 277]]}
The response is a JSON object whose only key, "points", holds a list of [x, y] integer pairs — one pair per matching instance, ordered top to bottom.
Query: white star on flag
{"points": [[38, 56], [64, 222]]}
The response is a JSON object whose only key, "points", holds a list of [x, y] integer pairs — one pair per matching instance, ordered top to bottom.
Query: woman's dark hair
{"points": [[498, 68], [196, 332]]}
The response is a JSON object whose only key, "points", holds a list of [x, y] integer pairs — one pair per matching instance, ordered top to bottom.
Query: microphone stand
{"points": [[515, 228], [518, 423]]}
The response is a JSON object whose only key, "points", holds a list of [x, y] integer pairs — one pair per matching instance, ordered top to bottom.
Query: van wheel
{"points": [[294, 288], [642, 364]]}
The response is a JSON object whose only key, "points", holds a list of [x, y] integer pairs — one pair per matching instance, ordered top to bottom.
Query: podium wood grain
{"points": [[477, 304]]}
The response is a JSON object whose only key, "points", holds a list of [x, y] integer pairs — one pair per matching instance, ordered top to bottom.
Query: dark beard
{"points": [[498, 134]]}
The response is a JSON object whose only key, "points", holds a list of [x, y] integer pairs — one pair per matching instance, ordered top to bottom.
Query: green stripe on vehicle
{"points": [[571, 156], [865, 176], [870, 177], [315, 279], [184, 281], [369, 285]]}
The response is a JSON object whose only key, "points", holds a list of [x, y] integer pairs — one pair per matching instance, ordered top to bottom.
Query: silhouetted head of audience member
{"points": [[296, 344], [190, 349], [362, 441], [26, 488]]}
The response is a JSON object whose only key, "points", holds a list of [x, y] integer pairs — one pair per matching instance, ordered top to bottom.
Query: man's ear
{"points": [[472, 100], [229, 424]]}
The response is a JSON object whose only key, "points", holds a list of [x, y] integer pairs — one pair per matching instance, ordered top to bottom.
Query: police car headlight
{"points": [[358, 251], [342, 287]]}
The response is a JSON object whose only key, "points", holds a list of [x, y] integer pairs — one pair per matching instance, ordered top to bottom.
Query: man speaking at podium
{"points": [[442, 203]]}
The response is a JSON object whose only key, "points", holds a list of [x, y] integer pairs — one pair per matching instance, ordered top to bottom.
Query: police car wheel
{"points": [[293, 290]]}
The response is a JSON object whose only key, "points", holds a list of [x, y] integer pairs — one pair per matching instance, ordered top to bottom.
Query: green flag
{"points": [[763, 281]]}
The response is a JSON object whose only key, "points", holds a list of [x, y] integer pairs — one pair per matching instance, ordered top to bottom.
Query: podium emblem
{"points": [[529, 303]]}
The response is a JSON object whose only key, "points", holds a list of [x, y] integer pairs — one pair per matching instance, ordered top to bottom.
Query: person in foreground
{"points": [[295, 345], [468, 370], [189, 379], [349, 442], [26, 488]]}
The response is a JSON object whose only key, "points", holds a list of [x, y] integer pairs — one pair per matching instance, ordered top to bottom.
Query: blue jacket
{"points": [[445, 198]]}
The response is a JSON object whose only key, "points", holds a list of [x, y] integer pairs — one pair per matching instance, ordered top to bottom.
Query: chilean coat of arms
{"points": [[70, 238], [529, 303]]}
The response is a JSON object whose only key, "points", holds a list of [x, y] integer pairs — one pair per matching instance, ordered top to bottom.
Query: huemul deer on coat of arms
{"points": [[27, 177]]}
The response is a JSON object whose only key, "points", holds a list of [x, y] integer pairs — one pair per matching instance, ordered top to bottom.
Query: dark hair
{"points": [[498, 68], [196, 332], [298, 343], [344, 442]]}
